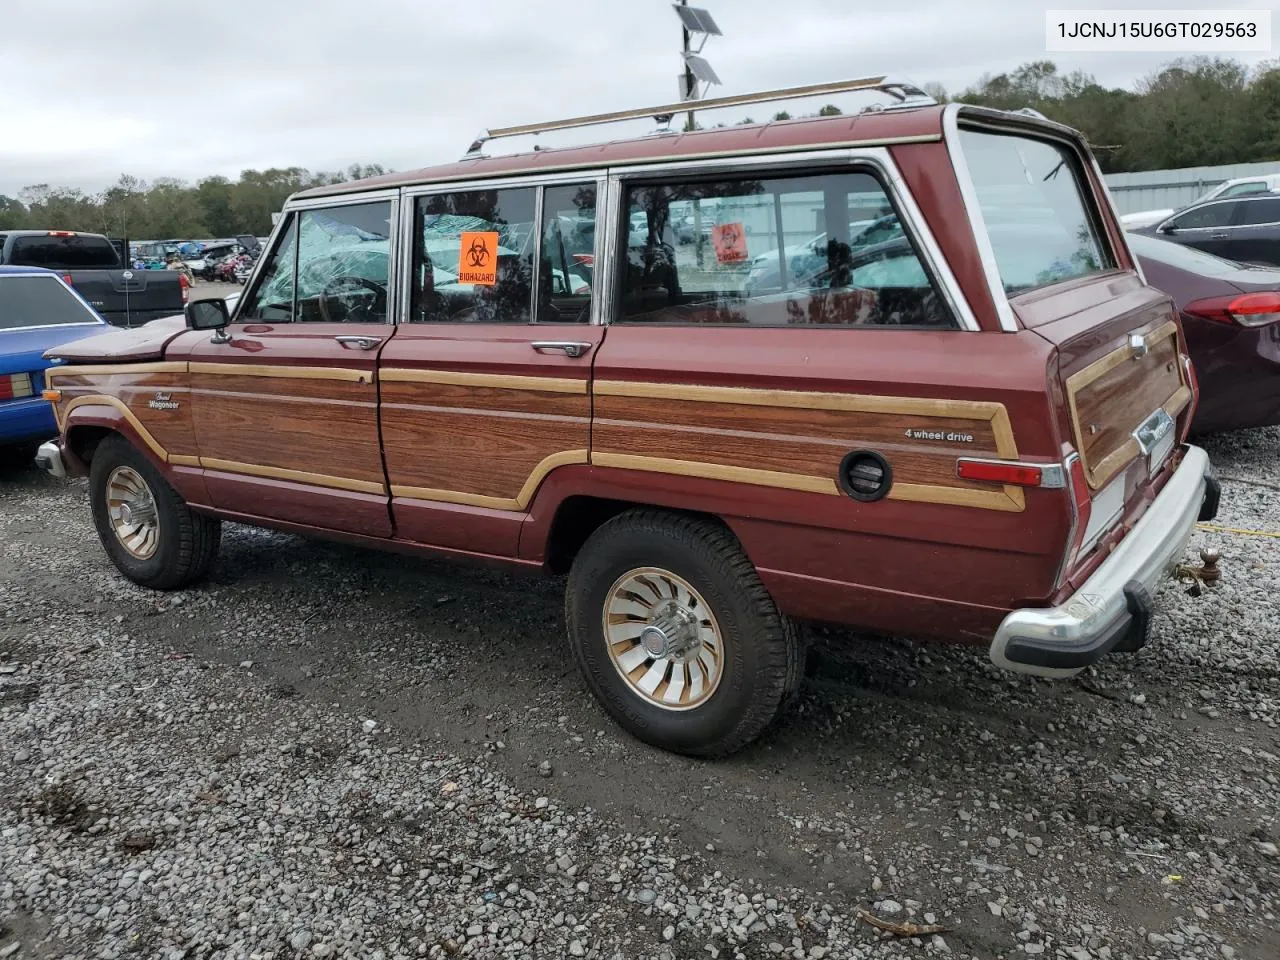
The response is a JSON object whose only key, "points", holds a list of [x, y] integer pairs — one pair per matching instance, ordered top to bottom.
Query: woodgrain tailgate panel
{"points": [[1112, 396]]}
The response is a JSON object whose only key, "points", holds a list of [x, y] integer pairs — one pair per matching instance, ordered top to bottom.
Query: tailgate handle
{"points": [[362, 343], [571, 348]]}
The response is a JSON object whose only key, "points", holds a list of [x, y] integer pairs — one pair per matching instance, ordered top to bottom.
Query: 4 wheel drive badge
{"points": [[163, 401]]}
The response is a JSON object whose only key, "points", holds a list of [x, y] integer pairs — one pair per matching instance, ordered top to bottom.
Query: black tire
{"points": [[187, 543], [762, 654]]}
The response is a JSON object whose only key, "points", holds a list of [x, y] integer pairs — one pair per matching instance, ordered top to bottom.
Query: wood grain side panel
{"points": [[284, 387], [432, 397], [1111, 397], [274, 427], [170, 429], [846, 429], [772, 439], [485, 454], [810, 456]]}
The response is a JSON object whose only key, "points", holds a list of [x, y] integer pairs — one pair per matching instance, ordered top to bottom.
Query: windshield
{"points": [[64, 253], [39, 302]]}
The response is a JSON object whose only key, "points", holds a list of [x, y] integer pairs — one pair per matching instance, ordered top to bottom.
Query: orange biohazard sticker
{"points": [[730, 241], [478, 258]]}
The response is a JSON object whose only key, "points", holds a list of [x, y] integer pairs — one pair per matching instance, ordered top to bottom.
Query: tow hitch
{"points": [[1195, 577]]}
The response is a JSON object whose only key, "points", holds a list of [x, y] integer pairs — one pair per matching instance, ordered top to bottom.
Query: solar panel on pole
{"points": [[697, 20]]}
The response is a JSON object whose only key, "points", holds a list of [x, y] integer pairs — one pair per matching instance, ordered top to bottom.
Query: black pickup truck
{"points": [[90, 263]]}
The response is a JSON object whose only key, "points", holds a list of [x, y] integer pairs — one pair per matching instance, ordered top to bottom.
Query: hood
{"points": [[142, 343], [24, 350]]}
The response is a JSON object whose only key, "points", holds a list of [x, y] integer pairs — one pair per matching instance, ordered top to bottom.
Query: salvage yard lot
{"points": [[330, 752]]}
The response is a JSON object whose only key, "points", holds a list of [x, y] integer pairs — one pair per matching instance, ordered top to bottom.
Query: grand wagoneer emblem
{"points": [[163, 401]]}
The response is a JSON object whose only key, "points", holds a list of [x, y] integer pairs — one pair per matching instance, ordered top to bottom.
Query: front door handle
{"points": [[1218, 236], [360, 343], [571, 348]]}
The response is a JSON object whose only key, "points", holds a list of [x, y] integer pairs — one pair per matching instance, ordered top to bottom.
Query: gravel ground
{"points": [[326, 752]]}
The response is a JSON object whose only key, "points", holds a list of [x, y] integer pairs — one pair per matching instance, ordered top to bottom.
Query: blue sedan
{"points": [[37, 311]]}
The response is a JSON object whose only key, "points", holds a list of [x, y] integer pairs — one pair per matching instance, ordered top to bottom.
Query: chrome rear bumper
{"points": [[49, 459], [1112, 609]]}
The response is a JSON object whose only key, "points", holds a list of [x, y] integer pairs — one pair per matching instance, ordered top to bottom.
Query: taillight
{"points": [[66, 278], [1244, 310], [1047, 475]]}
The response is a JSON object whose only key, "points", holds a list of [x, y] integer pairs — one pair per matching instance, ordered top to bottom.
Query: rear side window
{"points": [[1037, 211], [1259, 211], [820, 249], [64, 253], [473, 261], [39, 302]]}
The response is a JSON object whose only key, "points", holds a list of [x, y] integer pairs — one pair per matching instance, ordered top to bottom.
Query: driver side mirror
{"points": [[1166, 228], [211, 314]]}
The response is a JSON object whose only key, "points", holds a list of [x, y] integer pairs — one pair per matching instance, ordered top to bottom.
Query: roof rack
{"points": [[907, 94]]}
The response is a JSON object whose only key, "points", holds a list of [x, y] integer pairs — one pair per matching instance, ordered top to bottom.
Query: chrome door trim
{"points": [[810, 157], [509, 182], [342, 199], [295, 208], [1115, 215], [977, 224], [538, 227], [919, 231], [268, 251], [604, 251]]}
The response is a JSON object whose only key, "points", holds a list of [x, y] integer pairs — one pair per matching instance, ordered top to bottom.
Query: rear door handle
{"points": [[1218, 236], [360, 343], [571, 348]]}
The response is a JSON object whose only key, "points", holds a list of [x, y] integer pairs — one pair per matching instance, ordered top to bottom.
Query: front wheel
{"points": [[148, 530], [676, 635]]}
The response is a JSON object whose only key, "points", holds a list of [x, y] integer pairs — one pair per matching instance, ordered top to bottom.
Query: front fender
{"points": [[99, 412]]}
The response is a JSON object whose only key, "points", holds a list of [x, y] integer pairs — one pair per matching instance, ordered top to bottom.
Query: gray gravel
{"points": [[330, 753]]}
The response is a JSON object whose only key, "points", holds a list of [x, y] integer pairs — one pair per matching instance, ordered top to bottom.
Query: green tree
{"points": [[13, 213]]}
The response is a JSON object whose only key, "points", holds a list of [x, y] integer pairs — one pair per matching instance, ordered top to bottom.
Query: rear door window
{"points": [[1253, 212], [1039, 215], [803, 250], [64, 253], [567, 259], [473, 261], [39, 302]]}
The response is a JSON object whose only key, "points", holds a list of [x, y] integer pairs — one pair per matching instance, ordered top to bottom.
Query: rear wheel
{"points": [[148, 530], [676, 635]]}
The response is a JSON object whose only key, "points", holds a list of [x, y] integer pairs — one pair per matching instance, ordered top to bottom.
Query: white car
{"points": [[1241, 186]]}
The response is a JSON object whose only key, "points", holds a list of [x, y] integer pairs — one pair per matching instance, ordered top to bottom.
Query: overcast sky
{"points": [[96, 88]]}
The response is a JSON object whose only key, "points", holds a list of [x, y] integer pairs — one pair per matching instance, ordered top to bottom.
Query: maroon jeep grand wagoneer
{"points": [[897, 370]]}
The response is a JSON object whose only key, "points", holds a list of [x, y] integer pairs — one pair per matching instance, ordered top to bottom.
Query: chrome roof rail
{"points": [[907, 94]]}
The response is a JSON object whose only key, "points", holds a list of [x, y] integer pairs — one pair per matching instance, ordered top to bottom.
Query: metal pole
{"points": [[688, 72]]}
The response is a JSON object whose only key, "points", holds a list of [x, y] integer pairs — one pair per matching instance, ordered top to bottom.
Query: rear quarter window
{"points": [[1038, 214], [39, 302]]}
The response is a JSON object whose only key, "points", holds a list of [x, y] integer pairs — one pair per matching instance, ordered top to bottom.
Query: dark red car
{"points": [[1231, 319], [975, 432]]}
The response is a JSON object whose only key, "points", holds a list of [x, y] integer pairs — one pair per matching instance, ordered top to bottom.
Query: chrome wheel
{"points": [[132, 509], [663, 638]]}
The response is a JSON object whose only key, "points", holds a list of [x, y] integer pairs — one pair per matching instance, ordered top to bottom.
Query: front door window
{"points": [[330, 266]]}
